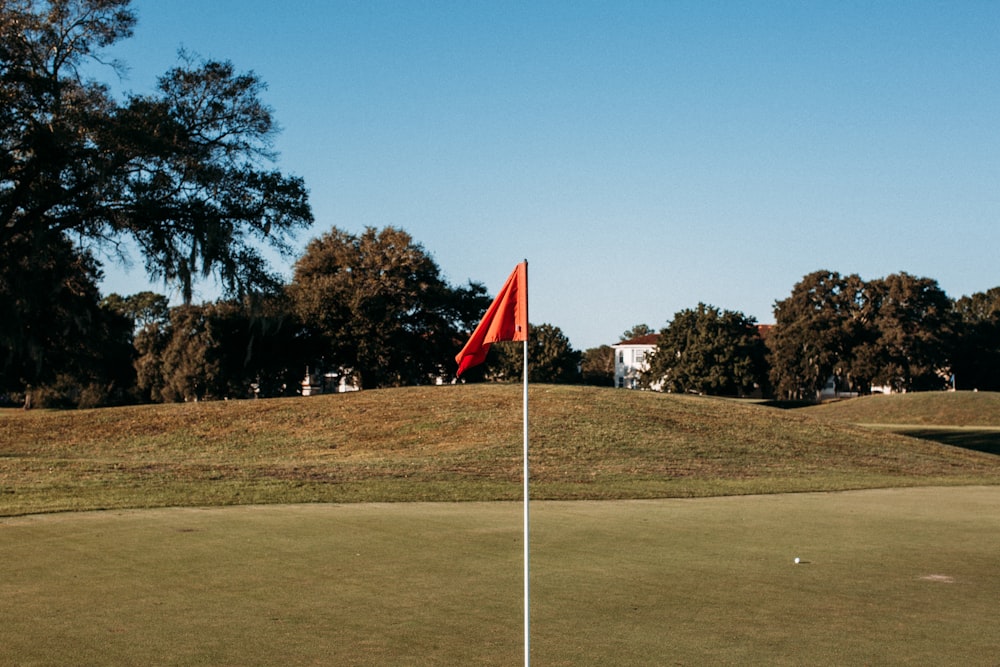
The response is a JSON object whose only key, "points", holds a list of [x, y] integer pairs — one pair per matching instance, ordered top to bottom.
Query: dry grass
{"points": [[951, 408], [967, 420], [450, 443]]}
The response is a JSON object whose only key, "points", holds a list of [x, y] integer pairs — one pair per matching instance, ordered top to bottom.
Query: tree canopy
{"points": [[179, 172], [182, 172], [381, 308], [815, 329], [53, 330], [636, 331], [895, 331], [909, 347], [226, 349], [706, 350], [976, 353], [551, 358], [597, 366]]}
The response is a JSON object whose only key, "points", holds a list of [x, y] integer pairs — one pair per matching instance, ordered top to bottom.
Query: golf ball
{"points": [[796, 560]]}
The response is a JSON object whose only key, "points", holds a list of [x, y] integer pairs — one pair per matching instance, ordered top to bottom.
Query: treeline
{"points": [[182, 173], [185, 174], [368, 310], [372, 310], [839, 333]]}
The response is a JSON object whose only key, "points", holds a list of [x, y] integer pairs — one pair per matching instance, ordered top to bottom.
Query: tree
{"points": [[178, 171], [181, 172], [199, 200], [380, 307], [142, 308], [912, 324], [637, 331], [895, 331], [815, 332], [54, 335], [150, 342], [263, 346], [225, 349], [706, 350], [976, 355], [551, 358], [190, 363], [598, 366]]}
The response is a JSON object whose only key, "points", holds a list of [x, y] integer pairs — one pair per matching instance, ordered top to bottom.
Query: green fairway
{"points": [[889, 577]]}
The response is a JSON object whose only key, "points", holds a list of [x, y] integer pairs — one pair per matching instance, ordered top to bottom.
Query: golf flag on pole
{"points": [[506, 319]]}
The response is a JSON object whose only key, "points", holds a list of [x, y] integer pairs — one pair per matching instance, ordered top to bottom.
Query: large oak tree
{"points": [[183, 172], [382, 310], [816, 330], [894, 331], [909, 344], [706, 350]]}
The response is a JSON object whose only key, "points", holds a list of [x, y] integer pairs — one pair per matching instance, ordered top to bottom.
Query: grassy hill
{"points": [[949, 408], [966, 419], [464, 443]]}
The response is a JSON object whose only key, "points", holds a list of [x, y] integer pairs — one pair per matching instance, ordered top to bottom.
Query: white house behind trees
{"points": [[632, 358], [331, 382]]}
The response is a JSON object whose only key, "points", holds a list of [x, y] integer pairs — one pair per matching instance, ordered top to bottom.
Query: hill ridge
{"points": [[945, 408], [453, 443]]}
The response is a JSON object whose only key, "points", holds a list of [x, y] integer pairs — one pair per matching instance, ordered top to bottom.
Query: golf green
{"points": [[901, 576]]}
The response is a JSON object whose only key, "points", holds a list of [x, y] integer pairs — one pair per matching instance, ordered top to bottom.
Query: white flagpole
{"points": [[527, 569]]}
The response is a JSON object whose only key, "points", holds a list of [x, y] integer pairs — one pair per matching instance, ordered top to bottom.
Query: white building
{"points": [[632, 358], [331, 382]]}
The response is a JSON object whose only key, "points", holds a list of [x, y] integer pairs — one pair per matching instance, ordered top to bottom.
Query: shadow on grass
{"points": [[786, 405], [981, 441]]}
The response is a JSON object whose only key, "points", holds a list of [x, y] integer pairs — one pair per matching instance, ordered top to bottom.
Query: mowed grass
{"points": [[971, 409], [970, 420], [456, 443], [888, 577]]}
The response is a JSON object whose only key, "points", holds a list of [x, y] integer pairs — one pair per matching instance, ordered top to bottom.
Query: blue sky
{"points": [[643, 156]]}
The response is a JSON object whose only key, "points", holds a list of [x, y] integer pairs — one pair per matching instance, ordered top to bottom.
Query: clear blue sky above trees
{"points": [[643, 156]]}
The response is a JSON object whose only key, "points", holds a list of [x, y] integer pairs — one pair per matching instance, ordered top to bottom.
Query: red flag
{"points": [[506, 319]]}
